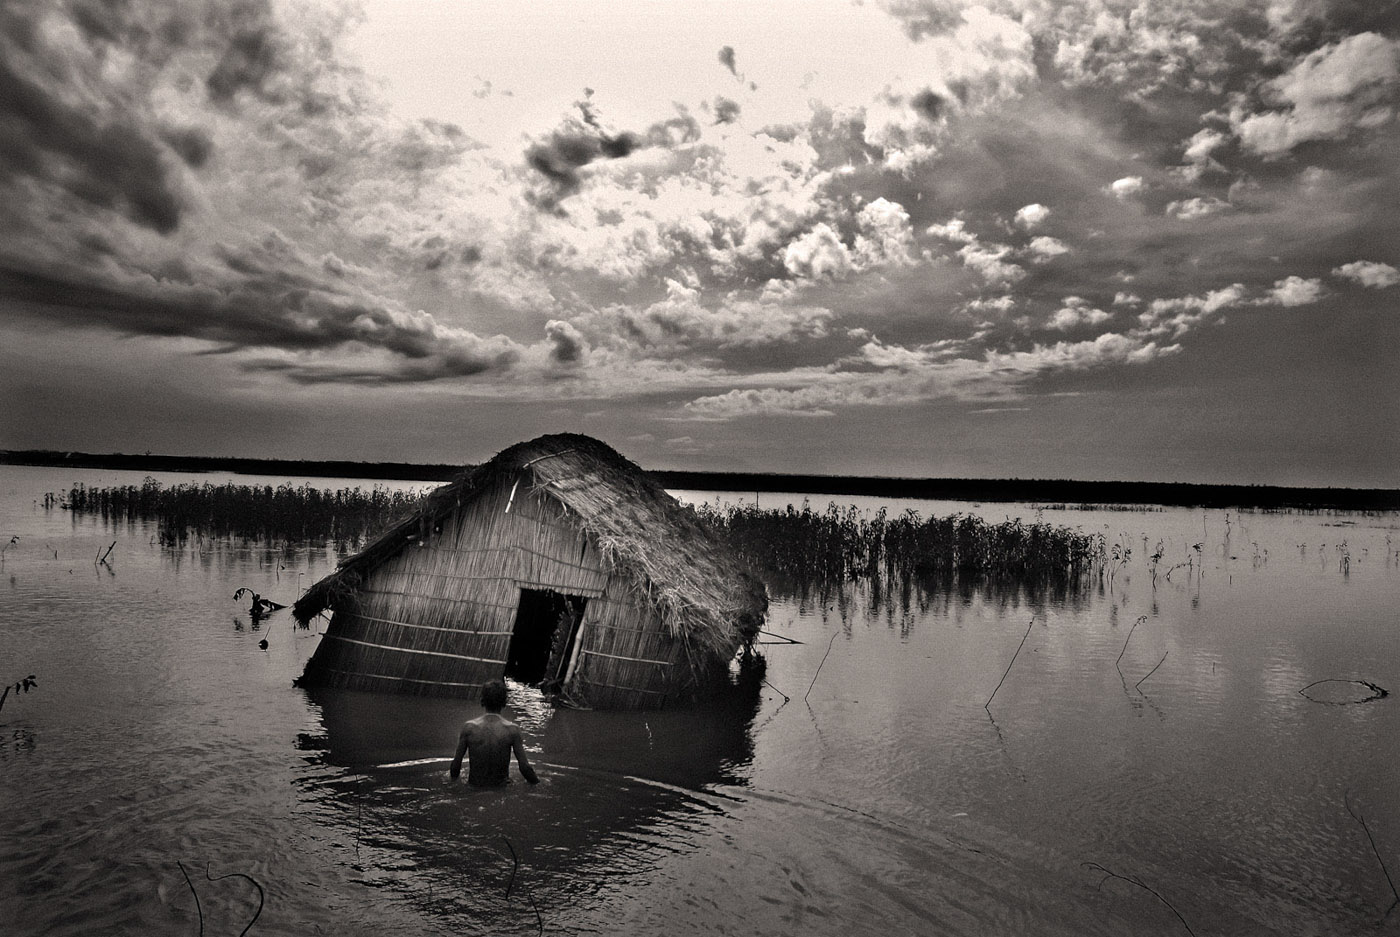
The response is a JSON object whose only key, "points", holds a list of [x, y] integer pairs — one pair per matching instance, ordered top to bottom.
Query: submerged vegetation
{"points": [[286, 513], [796, 546], [811, 547]]}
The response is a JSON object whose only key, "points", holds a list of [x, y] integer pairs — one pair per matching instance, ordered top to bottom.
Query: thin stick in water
{"points": [[782, 638], [820, 666], [1153, 670], [988, 704], [1356, 815], [359, 817], [515, 867], [1108, 874], [529, 895], [196, 896], [261, 896], [539, 918]]}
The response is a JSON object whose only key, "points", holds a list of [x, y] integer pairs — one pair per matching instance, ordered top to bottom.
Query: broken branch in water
{"points": [[102, 558], [1117, 663], [820, 666], [1153, 670], [26, 685], [988, 704], [1356, 815], [1109, 873]]}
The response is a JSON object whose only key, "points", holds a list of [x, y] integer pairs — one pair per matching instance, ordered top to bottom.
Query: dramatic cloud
{"points": [[726, 58], [1349, 85], [726, 111], [85, 138], [580, 141], [1198, 152], [1126, 187], [920, 201], [1199, 207], [1031, 216], [1043, 248], [817, 253], [988, 259], [1376, 276], [1295, 291], [1075, 312], [1173, 317], [682, 323], [568, 344], [767, 401]]}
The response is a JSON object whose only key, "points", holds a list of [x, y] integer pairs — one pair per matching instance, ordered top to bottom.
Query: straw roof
{"points": [[705, 596]]}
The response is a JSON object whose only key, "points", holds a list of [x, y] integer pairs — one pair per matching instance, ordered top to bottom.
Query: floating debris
{"points": [[1343, 692]]}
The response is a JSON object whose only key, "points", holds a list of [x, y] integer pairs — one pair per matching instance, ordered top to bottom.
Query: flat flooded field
{"points": [[1151, 726]]}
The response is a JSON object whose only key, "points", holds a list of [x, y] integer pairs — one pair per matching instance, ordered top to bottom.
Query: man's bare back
{"points": [[489, 740]]}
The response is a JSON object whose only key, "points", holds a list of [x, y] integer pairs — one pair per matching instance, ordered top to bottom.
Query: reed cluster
{"points": [[285, 513], [794, 544], [806, 546]]}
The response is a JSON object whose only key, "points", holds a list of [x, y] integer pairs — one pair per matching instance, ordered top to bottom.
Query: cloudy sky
{"points": [[1017, 238]]}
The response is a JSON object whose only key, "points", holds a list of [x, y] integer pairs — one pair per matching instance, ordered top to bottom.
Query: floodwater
{"points": [[865, 789]]}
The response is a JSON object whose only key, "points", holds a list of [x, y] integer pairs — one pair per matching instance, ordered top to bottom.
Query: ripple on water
{"points": [[889, 801]]}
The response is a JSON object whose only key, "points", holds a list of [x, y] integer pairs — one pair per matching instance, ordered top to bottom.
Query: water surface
{"points": [[863, 789]]}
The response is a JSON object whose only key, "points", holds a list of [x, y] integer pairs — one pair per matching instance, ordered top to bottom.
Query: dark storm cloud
{"points": [[922, 18], [726, 58], [249, 61], [928, 104], [726, 111], [73, 123], [96, 126], [192, 144], [567, 150], [560, 158], [108, 161], [267, 305], [567, 344], [439, 367]]}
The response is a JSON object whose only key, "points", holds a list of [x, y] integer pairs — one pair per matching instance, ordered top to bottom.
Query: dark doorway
{"points": [[538, 640]]}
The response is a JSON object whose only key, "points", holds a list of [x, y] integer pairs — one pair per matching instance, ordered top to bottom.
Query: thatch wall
{"points": [[430, 607], [437, 617]]}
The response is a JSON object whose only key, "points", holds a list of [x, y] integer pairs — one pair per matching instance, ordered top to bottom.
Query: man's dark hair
{"points": [[493, 696]]}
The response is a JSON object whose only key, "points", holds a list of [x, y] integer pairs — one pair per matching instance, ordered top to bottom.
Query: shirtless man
{"points": [[490, 738]]}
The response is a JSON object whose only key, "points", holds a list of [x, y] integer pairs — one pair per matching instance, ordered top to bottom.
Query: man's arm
{"points": [[518, 743], [461, 750]]}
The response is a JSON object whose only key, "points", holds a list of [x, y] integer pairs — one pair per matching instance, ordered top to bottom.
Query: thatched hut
{"points": [[557, 563]]}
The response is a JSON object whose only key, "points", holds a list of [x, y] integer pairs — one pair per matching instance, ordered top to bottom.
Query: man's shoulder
{"points": [[484, 723]]}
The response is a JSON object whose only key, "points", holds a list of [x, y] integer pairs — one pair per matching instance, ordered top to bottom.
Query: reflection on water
{"points": [[1151, 722], [616, 789]]}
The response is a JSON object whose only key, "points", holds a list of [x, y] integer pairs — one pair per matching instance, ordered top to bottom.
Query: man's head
{"points": [[493, 696]]}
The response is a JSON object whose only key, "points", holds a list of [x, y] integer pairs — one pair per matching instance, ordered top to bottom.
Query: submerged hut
{"points": [[558, 563]]}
